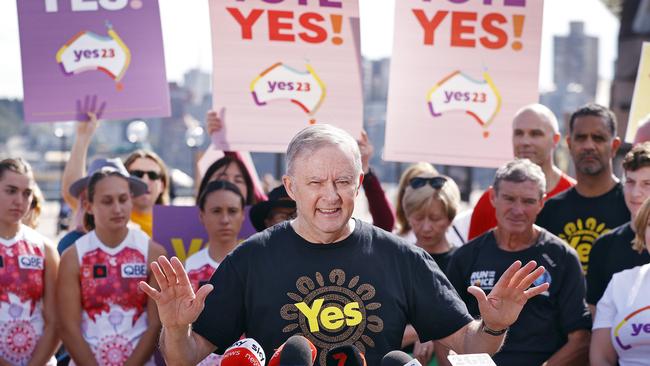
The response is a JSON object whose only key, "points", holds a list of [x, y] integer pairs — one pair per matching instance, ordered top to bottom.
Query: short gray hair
{"points": [[315, 137], [519, 171]]}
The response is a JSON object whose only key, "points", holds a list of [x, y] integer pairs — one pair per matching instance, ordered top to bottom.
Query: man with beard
{"points": [[535, 135], [596, 204]]}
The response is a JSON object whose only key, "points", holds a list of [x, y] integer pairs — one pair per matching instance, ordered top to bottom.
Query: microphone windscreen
{"points": [[298, 351], [244, 352], [346, 355], [399, 358]]}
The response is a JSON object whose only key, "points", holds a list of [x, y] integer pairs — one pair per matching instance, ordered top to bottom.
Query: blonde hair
{"points": [[414, 170], [163, 198], [417, 198], [640, 226]]}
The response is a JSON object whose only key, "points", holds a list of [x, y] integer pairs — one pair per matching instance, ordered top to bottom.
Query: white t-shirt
{"points": [[625, 308]]}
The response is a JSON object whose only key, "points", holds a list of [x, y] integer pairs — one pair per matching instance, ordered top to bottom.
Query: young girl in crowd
{"points": [[143, 164], [221, 207], [28, 269], [105, 319], [620, 332]]}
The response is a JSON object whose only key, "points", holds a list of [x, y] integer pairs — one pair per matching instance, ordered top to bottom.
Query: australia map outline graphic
{"points": [[89, 51], [281, 82], [459, 92]]}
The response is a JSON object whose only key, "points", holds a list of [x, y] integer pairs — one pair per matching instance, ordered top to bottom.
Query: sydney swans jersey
{"points": [[199, 268], [22, 278], [113, 308], [625, 308]]}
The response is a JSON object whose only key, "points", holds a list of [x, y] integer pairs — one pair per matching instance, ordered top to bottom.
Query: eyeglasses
{"points": [[150, 174], [435, 182]]}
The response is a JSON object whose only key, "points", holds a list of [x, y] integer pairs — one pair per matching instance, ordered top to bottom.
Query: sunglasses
{"points": [[150, 174], [435, 182]]}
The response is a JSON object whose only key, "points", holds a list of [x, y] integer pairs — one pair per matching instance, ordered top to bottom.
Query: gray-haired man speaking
{"points": [[334, 279]]}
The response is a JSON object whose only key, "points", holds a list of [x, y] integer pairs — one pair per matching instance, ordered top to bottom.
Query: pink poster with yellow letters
{"points": [[282, 65], [460, 71]]}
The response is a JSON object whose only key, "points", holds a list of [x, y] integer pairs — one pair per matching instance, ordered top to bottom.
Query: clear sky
{"points": [[186, 33]]}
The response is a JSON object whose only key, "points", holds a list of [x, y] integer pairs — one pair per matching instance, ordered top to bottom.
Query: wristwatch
{"points": [[492, 332]]}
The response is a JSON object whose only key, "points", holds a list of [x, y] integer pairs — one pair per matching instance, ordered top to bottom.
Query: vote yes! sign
{"points": [[102, 56], [281, 65], [460, 71]]}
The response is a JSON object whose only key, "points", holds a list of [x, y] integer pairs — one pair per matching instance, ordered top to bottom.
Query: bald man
{"points": [[643, 131], [535, 135]]}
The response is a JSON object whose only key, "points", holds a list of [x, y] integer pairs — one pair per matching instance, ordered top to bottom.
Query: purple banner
{"points": [[92, 56], [180, 231]]}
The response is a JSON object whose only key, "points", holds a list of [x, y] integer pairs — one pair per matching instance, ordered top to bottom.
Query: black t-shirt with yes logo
{"points": [[579, 220], [362, 290]]}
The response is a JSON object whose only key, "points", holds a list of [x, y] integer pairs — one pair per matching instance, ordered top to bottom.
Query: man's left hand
{"points": [[501, 308]]}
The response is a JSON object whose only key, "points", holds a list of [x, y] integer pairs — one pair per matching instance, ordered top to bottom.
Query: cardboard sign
{"points": [[92, 56], [460, 70]]}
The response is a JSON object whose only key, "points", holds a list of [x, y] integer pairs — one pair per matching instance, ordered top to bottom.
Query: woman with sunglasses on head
{"points": [[151, 169], [430, 204], [222, 214], [403, 228], [28, 269], [105, 319], [620, 333]]}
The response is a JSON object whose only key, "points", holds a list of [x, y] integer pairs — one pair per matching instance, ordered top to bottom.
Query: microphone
{"points": [[296, 351], [244, 352], [346, 355], [399, 358]]}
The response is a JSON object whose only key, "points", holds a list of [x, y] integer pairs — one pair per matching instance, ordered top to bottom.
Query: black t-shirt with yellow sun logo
{"points": [[579, 220], [362, 290]]}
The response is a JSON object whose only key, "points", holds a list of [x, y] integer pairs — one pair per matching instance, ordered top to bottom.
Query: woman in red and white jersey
{"points": [[221, 206], [28, 267], [104, 318]]}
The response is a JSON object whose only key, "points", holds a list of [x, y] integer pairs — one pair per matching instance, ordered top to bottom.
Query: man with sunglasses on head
{"points": [[535, 135], [334, 279], [553, 328]]}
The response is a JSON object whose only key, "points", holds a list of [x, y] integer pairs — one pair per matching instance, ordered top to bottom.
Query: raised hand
{"points": [[88, 115], [214, 121], [366, 149], [178, 305], [501, 308]]}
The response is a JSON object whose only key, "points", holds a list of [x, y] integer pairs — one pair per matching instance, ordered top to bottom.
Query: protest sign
{"points": [[93, 55], [281, 65], [460, 70], [641, 99], [179, 230]]}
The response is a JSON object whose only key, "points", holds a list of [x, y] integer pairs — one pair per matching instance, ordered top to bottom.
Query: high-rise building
{"points": [[575, 60], [575, 73]]}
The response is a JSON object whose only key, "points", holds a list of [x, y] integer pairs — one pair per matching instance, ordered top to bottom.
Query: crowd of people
{"points": [[549, 270]]}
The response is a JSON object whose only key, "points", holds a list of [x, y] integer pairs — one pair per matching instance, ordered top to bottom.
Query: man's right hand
{"points": [[178, 305]]}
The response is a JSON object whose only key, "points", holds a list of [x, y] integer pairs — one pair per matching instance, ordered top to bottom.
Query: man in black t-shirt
{"points": [[595, 205], [613, 251], [333, 279], [553, 327]]}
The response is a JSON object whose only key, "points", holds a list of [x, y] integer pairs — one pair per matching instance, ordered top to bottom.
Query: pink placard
{"points": [[280, 66], [460, 71]]}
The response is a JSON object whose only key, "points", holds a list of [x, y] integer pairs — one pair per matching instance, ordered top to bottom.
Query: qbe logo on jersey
{"points": [[30, 262], [134, 270]]}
